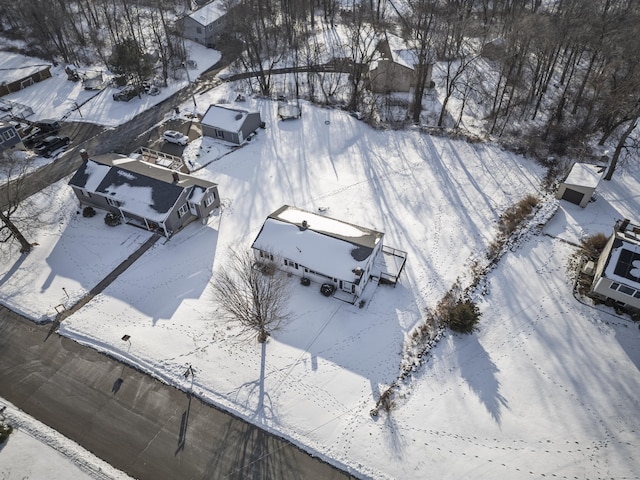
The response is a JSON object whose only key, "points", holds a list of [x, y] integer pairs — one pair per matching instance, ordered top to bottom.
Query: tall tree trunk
{"points": [[619, 147], [25, 246]]}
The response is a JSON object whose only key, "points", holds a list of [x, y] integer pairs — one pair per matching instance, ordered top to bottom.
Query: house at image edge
{"points": [[205, 24], [232, 125], [10, 140], [143, 194], [327, 250], [617, 274]]}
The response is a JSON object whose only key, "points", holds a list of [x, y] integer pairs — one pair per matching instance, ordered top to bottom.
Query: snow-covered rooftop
{"points": [[209, 13], [14, 66], [225, 118], [585, 175], [141, 188], [326, 245], [624, 260]]}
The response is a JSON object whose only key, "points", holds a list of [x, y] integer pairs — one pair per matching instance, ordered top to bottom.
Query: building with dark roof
{"points": [[18, 72], [229, 124], [9, 139], [143, 194], [324, 250], [617, 274]]}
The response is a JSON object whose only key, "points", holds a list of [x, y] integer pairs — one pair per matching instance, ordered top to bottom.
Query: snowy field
{"points": [[547, 387]]}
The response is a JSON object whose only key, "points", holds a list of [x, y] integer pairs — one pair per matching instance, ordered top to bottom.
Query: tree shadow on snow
{"points": [[480, 373]]}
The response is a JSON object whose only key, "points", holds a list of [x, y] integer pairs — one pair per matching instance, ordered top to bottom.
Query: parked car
{"points": [[127, 93], [48, 126], [172, 136], [51, 144]]}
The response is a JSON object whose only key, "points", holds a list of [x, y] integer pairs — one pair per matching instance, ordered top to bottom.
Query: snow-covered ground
{"points": [[59, 98], [546, 387], [35, 451]]}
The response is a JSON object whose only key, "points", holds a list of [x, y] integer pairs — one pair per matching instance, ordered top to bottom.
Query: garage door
{"points": [[572, 196]]}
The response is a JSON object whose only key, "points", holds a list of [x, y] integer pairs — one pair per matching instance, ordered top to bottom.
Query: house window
{"points": [[198, 30], [219, 133], [8, 135], [208, 200], [112, 202], [182, 210], [266, 255], [627, 290], [632, 292]]}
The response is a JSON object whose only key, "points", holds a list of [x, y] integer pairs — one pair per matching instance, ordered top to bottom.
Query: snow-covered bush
{"points": [[88, 212], [112, 219], [593, 245], [463, 317], [5, 431]]}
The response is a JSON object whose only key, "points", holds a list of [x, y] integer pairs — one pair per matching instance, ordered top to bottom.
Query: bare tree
{"points": [[14, 172], [253, 293]]}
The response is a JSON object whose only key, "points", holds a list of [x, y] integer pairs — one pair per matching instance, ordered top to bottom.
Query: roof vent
{"points": [[238, 116], [176, 177], [305, 225]]}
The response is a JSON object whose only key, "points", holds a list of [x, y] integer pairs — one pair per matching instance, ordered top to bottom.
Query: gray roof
{"points": [[159, 187]]}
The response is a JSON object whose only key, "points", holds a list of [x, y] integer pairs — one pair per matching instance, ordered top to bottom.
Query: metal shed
{"points": [[580, 184]]}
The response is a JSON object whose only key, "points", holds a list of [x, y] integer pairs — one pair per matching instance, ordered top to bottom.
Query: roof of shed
{"points": [[209, 13], [14, 66], [224, 117], [585, 175]]}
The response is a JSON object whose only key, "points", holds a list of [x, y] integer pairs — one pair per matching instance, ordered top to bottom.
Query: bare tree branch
{"points": [[255, 294]]}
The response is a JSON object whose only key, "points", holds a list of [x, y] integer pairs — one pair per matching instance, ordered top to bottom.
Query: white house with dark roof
{"points": [[205, 24], [230, 124], [581, 183], [143, 194], [323, 250], [617, 274]]}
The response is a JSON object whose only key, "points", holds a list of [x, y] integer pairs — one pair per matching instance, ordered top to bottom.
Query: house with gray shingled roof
{"points": [[143, 194]]}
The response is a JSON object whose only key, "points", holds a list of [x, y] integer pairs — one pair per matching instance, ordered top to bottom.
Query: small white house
{"points": [[230, 124], [581, 183], [322, 249], [617, 274]]}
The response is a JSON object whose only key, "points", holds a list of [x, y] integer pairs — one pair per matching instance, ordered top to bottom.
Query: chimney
{"points": [[84, 155], [176, 177], [305, 225], [623, 226]]}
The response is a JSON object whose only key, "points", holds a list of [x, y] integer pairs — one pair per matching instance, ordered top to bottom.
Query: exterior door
{"points": [[572, 196]]}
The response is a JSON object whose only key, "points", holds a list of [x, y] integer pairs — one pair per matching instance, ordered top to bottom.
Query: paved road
{"points": [[140, 131], [135, 423]]}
